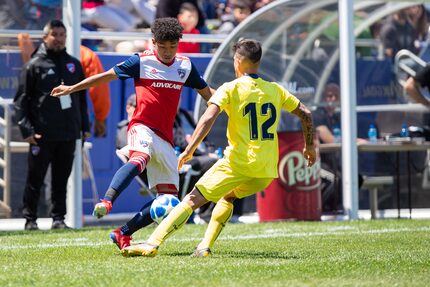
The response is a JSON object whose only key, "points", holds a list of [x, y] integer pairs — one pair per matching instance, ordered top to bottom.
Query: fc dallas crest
{"points": [[71, 67]]}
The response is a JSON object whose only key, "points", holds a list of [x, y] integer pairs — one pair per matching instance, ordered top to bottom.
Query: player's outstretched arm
{"points": [[92, 81], [206, 93], [305, 117], [202, 129]]}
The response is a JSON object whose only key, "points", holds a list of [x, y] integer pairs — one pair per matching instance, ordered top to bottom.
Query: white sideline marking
{"points": [[273, 233]]}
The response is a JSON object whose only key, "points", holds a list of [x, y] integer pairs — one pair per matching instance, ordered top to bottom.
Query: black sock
{"points": [[140, 220]]}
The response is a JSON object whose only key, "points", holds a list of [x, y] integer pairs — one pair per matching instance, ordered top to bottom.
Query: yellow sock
{"points": [[220, 216], [175, 220]]}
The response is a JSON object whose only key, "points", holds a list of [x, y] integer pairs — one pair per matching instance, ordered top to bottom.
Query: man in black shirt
{"points": [[50, 125]]}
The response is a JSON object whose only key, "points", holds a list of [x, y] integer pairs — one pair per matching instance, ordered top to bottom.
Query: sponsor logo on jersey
{"points": [[71, 67], [154, 71], [51, 72], [166, 85], [144, 143]]}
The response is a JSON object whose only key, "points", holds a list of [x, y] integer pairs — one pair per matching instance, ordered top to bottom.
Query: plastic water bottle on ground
{"points": [[372, 134]]}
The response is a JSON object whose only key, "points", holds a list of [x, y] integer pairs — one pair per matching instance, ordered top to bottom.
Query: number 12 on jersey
{"points": [[267, 110]]}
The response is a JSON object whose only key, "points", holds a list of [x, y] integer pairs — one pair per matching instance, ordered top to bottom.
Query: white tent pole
{"points": [[72, 21], [348, 105]]}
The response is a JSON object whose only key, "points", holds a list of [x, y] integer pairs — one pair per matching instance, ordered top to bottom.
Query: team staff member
{"points": [[91, 65], [50, 125]]}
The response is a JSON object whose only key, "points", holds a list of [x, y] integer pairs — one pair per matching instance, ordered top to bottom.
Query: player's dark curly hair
{"points": [[166, 29], [248, 48]]}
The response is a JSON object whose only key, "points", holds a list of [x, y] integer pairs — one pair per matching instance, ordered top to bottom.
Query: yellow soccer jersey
{"points": [[254, 108]]}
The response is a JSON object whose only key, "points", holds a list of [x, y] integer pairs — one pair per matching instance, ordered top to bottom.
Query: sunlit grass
{"points": [[360, 253]]}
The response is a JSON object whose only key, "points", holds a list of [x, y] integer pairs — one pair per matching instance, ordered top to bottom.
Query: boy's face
{"points": [[188, 20], [56, 39], [166, 50]]}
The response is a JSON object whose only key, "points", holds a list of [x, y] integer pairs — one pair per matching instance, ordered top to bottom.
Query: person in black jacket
{"points": [[50, 125]]}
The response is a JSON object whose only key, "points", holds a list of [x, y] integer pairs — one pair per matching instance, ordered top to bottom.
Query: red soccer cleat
{"points": [[122, 241]]}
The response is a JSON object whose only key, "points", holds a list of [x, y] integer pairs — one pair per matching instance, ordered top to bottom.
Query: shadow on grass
{"points": [[242, 255]]}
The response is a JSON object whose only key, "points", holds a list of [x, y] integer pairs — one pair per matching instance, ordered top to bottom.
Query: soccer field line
{"points": [[274, 233]]}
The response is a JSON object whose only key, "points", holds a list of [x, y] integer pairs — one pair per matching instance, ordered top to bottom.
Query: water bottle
{"points": [[404, 132], [336, 134], [371, 134], [177, 151], [219, 152]]}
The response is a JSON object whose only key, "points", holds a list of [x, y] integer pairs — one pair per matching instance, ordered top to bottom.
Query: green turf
{"points": [[360, 253]]}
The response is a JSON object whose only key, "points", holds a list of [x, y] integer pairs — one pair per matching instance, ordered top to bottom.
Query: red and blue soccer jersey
{"points": [[158, 89]]}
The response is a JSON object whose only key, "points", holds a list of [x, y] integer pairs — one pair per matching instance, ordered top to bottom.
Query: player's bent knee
{"points": [[140, 159], [230, 197], [195, 199]]}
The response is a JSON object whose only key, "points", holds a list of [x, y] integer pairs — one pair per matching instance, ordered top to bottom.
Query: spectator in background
{"points": [[261, 3], [170, 8], [145, 9], [241, 9], [46, 10], [14, 14], [108, 15], [188, 17], [419, 20], [397, 34], [414, 84], [100, 95], [326, 119], [50, 125], [121, 134], [203, 159]]}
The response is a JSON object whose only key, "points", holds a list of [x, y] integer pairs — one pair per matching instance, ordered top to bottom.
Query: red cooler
{"points": [[296, 193]]}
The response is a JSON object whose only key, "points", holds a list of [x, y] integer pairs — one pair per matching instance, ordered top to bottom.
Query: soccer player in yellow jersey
{"points": [[253, 106]]}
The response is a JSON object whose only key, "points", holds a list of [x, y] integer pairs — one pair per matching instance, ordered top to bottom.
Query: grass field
{"points": [[360, 253]]}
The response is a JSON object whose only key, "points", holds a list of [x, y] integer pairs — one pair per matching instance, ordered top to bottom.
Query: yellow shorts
{"points": [[220, 179]]}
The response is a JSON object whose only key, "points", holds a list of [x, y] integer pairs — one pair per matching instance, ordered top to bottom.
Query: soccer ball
{"points": [[162, 205]]}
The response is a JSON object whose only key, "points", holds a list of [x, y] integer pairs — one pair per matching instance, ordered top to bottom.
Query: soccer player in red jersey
{"points": [[159, 76]]}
